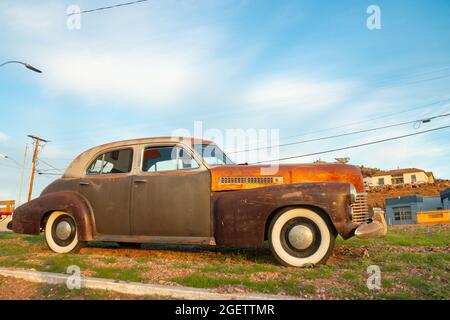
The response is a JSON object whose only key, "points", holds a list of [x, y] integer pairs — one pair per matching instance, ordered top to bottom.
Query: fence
{"points": [[7, 207], [436, 216]]}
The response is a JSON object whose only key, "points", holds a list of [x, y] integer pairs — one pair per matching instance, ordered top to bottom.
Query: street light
{"points": [[28, 66], [4, 156]]}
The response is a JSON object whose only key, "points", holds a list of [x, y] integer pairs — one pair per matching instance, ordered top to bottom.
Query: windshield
{"points": [[212, 154]]}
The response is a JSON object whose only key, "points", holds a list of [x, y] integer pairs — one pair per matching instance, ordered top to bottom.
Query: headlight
{"points": [[353, 193]]}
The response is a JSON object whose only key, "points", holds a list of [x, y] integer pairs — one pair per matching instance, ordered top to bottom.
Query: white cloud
{"points": [[26, 19], [143, 78], [300, 93], [3, 137]]}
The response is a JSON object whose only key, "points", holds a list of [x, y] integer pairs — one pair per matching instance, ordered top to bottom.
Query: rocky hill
{"points": [[376, 195]]}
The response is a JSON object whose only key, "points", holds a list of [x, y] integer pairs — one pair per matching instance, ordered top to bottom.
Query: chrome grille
{"points": [[255, 180], [360, 209]]}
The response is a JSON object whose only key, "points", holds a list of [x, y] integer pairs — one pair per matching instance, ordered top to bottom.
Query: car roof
{"points": [[76, 168]]}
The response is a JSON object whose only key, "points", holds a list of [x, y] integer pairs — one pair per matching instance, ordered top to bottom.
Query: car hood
{"points": [[236, 177]]}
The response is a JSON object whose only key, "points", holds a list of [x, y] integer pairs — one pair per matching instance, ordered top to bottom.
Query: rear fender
{"points": [[28, 217]]}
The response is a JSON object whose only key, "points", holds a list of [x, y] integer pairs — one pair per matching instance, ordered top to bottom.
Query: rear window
{"points": [[117, 161]]}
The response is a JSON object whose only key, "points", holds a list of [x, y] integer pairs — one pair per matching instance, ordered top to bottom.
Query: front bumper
{"points": [[377, 228]]}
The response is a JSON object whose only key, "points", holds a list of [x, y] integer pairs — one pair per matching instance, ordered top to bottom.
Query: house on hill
{"points": [[401, 176]]}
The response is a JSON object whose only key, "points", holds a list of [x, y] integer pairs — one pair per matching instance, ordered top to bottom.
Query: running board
{"points": [[156, 240]]}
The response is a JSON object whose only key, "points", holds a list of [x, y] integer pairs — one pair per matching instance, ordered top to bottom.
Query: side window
{"points": [[162, 159], [118, 161], [95, 167]]}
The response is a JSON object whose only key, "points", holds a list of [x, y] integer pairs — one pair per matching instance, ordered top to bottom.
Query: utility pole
{"points": [[36, 141], [24, 163]]}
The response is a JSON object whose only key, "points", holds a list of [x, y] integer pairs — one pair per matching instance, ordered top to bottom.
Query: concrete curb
{"points": [[135, 288]]}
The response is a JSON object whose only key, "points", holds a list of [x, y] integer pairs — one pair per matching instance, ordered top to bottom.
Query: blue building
{"points": [[445, 196], [403, 210]]}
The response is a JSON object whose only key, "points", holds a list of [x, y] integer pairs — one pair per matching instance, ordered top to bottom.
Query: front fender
{"points": [[240, 216], [27, 218]]}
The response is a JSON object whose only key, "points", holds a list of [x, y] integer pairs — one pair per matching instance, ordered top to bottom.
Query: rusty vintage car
{"points": [[187, 191]]}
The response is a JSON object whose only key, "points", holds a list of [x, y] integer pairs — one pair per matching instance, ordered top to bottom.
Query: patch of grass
{"points": [[8, 235], [419, 236], [425, 236], [34, 239], [12, 250], [108, 259], [435, 259], [19, 262], [60, 263], [355, 264], [391, 268], [239, 269], [318, 272], [124, 274], [350, 276], [198, 280], [386, 283], [307, 288], [428, 289], [397, 296]]}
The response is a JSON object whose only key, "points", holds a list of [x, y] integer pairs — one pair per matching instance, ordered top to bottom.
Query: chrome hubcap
{"points": [[63, 230], [301, 237]]}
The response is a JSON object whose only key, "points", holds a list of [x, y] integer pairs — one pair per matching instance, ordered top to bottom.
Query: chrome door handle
{"points": [[140, 181], [84, 183]]}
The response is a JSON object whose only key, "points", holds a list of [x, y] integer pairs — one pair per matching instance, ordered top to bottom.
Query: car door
{"points": [[106, 184], [171, 195]]}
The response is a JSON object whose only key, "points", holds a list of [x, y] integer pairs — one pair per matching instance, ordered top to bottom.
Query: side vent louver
{"points": [[251, 180]]}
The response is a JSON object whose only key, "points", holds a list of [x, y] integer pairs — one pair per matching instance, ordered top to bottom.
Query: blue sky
{"points": [[296, 66]]}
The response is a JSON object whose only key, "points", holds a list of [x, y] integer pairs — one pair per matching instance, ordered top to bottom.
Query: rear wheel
{"points": [[61, 233], [300, 236]]}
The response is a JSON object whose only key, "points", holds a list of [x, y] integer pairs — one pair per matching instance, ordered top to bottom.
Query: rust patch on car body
{"points": [[290, 173]]}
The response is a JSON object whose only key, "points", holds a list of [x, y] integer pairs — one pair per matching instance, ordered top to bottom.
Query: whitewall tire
{"points": [[61, 233], [299, 236]]}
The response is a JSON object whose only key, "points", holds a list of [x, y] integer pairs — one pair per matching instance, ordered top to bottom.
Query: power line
{"points": [[108, 7], [373, 118], [419, 121], [355, 146], [51, 166], [48, 174]]}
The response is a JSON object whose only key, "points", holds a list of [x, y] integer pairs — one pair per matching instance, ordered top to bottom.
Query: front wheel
{"points": [[61, 233], [300, 236]]}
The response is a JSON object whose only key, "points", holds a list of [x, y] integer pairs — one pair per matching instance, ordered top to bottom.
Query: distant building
{"points": [[401, 176], [368, 181], [445, 195], [403, 210]]}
